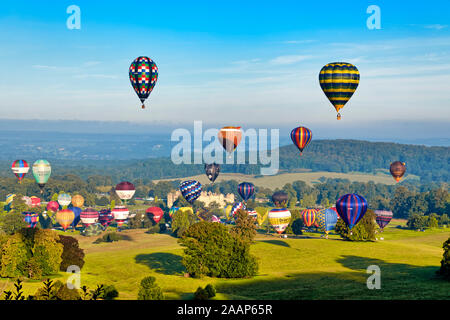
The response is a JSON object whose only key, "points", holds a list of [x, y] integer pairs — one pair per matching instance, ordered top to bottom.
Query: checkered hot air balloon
{"points": [[143, 76], [339, 81], [301, 137], [20, 168], [191, 190], [246, 190], [237, 206], [351, 208], [309, 217], [31, 218], [383, 218], [279, 219]]}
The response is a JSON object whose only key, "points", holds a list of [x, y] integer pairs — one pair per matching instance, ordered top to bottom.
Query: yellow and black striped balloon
{"points": [[339, 81]]}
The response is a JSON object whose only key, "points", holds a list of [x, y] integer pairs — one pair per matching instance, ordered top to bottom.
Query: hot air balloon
{"points": [[143, 76], [339, 81], [301, 137], [229, 138], [20, 168], [397, 170], [212, 171], [41, 172], [125, 190], [191, 190], [246, 190], [64, 199], [280, 199], [27, 200], [77, 200], [9, 201], [35, 201], [52, 206], [237, 206], [351, 208], [173, 210], [227, 210], [77, 212], [155, 213], [252, 213], [120, 214], [89, 216], [65, 217], [105, 217], [309, 217], [32, 218], [383, 218], [215, 219], [279, 219], [326, 220]]}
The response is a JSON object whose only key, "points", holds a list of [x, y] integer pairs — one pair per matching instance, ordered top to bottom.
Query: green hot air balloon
{"points": [[41, 172]]}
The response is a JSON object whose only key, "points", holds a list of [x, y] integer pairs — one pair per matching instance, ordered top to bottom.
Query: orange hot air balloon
{"points": [[230, 137], [397, 170], [78, 200], [65, 217]]}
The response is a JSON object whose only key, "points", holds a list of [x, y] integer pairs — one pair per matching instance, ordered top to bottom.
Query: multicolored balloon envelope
{"points": [[143, 76], [339, 81], [230, 137], [301, 137], [20, 168], [397, 170], [212, 171], [41, 172], [125, 190], [191, 190], [246, 190], [9, 198], [64, 199], [280, 199], [78, 200], [35, 201], [52, 206], [237, 206], [351, 208], [173, 210], [155, 213], [120, 214], [89, 216], [105, 217], [309, 217], [31, 218], [65, 218], [383, 218], [215, 219], [279, 219], [326, 220]]}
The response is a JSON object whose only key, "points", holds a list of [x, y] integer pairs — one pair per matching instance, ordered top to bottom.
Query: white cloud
{"points": [[436, 26], [281, 60]]}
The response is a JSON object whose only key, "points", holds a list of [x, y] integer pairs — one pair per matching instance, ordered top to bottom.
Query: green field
{"points": [[279, 180], [303, 267]]}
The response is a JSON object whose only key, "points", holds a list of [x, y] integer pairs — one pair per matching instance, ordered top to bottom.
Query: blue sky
{"points": [[226, 62]]}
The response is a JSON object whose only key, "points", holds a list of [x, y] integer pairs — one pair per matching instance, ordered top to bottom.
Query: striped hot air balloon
{"points": [[143, 76], [339, 81], [301, 137], [20, 168], [41, 172], [191, 190], [246, 190], [351, 208], [173, 210], [252, 213], [120, 214], [89, 216], [105, 217], [309, 217], [383, 217], [31, 218], [65, 218], [279, 219], [326, 220]]}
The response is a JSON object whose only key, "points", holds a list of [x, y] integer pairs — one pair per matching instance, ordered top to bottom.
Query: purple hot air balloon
{"points": [[351, 208]]}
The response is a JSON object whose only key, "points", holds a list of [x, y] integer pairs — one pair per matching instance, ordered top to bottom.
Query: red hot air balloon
{"points": [[301, 137], [125, 190], [52, 206], [155, 213]]}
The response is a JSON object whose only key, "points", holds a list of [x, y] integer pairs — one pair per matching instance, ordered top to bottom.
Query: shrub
{"points": [[182, 220], [444, 220], [140, 221], [417, 221], [12, 222], [432, 222], [295, 223], [297, 226], [244, 228], [364, 230], [110, 237], [213, 251], [72, 253], [15, 255], [445, 262], [149, 290], [109, 293], [205, 293]]}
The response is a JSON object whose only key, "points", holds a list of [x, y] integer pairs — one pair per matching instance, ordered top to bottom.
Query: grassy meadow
{"points": [[299, 267]]}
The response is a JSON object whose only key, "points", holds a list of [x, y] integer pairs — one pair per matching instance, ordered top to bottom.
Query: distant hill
{"points": [[430, 164]]}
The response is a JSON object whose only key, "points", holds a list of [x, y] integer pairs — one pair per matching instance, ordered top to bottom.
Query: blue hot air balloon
{"points": [[191, 190], [246, 190], [351, 208], [77, 212], [326, 219]]}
